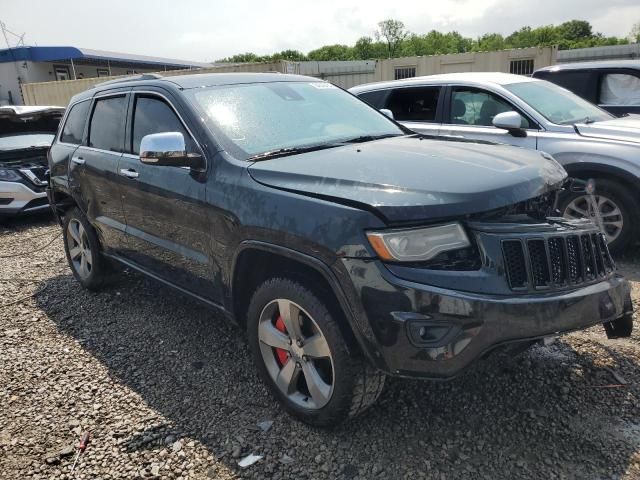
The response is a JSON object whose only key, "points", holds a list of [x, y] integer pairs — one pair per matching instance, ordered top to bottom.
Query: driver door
{"points": [[470, 115], [164, 206]]}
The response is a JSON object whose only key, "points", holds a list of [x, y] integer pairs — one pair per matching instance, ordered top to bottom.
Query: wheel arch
{"points": [[587, 170], [629, 182], [61, 202], [256, 261]]}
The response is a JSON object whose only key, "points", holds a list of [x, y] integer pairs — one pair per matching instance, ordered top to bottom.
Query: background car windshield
{"points": [[556, 104], [264, 117], [14, 142]]}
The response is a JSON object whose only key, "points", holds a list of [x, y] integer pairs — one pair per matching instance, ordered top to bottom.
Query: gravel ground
{"points": [[169, 391]]}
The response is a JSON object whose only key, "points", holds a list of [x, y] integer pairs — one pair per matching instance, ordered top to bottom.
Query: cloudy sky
{"points": [[206, 30]]}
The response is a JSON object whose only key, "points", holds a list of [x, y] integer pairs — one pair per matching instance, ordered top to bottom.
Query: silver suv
{"points": [[531, 113], [26, 134]]}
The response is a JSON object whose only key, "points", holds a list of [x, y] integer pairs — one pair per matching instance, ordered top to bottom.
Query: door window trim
{"points": [[447, 112], [130, 120]]}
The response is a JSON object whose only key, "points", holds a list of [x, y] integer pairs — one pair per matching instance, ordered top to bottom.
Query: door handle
{"points": [[78, 160], [129, 172]]}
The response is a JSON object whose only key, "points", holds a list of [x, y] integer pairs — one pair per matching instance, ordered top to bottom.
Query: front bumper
{"points": [[16, 198], [419, 330]]}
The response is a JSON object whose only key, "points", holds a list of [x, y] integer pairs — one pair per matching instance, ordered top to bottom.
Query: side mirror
{"points": [[387, 112], [511, 121], [168, 149]]}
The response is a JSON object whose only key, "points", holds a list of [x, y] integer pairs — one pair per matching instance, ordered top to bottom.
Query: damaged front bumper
{"points": [[422, 323]]}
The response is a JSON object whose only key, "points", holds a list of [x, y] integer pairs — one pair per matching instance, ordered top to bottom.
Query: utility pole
{"points": [[20, 42]]}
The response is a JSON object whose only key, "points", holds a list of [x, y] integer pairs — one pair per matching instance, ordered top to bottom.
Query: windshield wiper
{"points": [[370, 138], [283, 152]]}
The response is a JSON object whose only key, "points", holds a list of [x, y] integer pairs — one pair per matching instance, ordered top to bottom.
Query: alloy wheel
{"points": [[610, 213], [79, 248], [296, 354]]}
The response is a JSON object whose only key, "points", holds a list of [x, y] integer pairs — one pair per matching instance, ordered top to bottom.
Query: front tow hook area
{"points": [[620, 328]]}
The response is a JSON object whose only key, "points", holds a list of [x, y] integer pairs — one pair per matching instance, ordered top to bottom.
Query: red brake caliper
{"points": [[281, 354]]}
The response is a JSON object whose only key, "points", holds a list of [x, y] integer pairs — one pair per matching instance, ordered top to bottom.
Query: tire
{"points": [[614, 195], [83, 251], [344, 385]]}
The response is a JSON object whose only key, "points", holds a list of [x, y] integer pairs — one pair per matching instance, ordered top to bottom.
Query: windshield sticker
{"points": [[322, 85]]}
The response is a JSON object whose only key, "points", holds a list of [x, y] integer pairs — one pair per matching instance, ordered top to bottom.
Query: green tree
{"points": [[575, 30], [393, 33], [634, 34], [545, 36], [521, 38], [393, 40], [490, 42], [363, 49], [332, 52], [291, 55], [241, 58]]}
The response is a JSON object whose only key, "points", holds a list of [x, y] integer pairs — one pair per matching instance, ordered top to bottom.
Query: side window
{"points": [[576, 81], [619, 89], [374, 98], [414, 104], [478, 107], [153, 115], [74, 126], [106, 128]]}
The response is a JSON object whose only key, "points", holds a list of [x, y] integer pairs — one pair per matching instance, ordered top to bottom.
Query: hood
{"points": [[19, 119], [625, 129], [413, 178]]}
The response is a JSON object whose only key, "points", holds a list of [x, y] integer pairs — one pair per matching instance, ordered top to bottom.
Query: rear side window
{"points": [[576, 81], [620, 89], [374, 99], [414, 104], [153, 115], [74, 126], [106, 130]]}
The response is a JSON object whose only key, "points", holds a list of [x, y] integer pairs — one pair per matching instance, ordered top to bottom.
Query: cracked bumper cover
{"points": [[418, 330]]}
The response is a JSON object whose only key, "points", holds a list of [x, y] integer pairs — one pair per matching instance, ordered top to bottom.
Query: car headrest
{"points": [[459, 108]]}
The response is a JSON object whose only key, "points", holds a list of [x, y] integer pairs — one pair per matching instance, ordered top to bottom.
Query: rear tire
{"points": [[618, 206], [83, 251], [342, 385]]}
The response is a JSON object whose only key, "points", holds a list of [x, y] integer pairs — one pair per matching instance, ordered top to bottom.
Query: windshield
{"points": [[556, 104], [253, 119], [15, 142]]}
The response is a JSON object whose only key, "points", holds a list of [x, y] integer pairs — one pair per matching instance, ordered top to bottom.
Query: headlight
{"points": [[7, 175], [418, 245]]}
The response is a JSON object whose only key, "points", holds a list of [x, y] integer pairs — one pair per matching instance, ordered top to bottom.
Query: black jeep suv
{"points": [[346, 246]]}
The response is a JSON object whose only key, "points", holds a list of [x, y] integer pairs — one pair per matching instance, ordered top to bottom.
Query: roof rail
{"points": [[144, 76]]}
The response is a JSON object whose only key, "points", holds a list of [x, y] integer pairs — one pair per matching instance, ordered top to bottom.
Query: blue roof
{"points": [[52, 54]]}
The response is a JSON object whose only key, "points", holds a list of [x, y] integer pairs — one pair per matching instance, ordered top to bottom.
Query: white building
{"points": [[45, 64]]}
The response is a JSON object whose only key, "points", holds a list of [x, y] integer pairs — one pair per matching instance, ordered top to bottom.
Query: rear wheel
{"points": [[616, 207], [83, 251], [301, 355]]}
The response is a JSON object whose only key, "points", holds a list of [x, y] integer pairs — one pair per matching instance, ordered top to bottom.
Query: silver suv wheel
{"points": [[612, 221], [79, 248], [296, 354]]}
